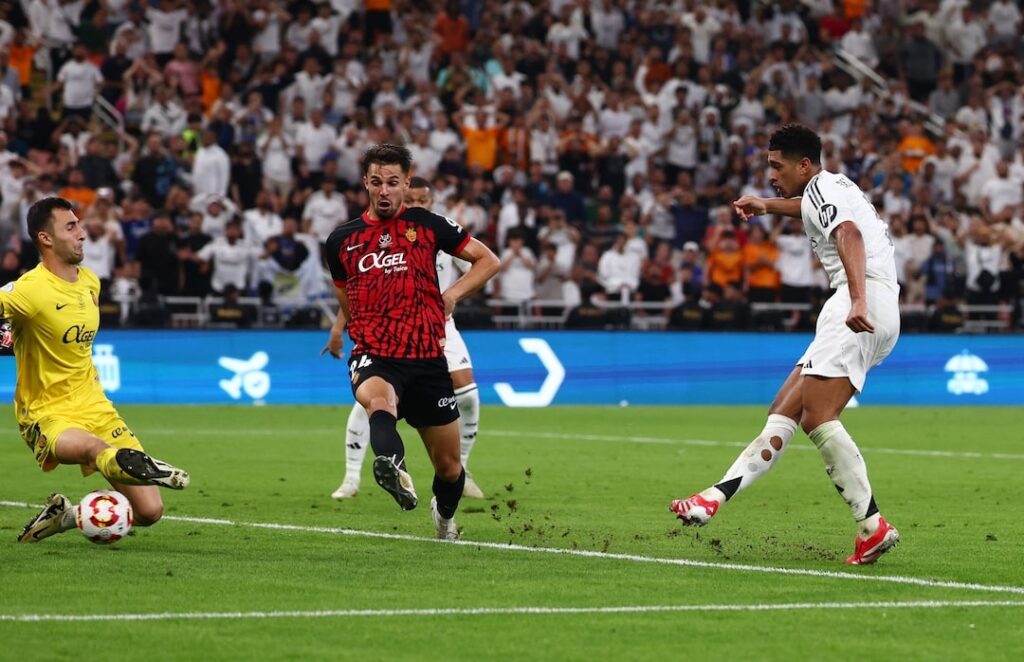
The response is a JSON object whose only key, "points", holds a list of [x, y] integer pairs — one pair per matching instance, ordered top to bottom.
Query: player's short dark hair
{"points": [[796, 142], [388, 154], [418, 182], [40, 216]]}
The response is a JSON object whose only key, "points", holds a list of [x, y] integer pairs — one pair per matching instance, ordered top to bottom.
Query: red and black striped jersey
{"points": [[387, 268]]}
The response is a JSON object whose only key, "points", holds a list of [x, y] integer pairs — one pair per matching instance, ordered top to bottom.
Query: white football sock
{"points": [[468, 398], [357, 440], [755, 461], [849, 473], [67, 520]]}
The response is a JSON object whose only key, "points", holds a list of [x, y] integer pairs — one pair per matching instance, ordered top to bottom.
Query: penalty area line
{"points": [[582, 553], [504, 611]]}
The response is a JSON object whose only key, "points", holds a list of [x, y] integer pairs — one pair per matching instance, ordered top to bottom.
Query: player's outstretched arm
{"points": [[749, 206], [850, 244], [483, 265], [337, 337]]}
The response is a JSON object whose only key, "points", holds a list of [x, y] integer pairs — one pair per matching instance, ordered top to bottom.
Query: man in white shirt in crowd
{"points": [[267, 18], [607, 23], [165, 27], [80, 80], [310, 83], [164, 115], [615, 119], [443, 136], [313, 139], [349, 147], [276, 149], [424, 156], [211, 167], [1001, 195], [217, 210], [324, 210], [262, 221], [99, 251], [231, 257], [795, 261], [618, 270], [515, 279]]}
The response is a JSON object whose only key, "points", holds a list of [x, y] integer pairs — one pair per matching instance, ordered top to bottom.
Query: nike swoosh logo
{"points": [[352, 248], [61, 306]]}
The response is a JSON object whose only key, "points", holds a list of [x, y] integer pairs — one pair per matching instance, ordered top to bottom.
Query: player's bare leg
{"points": [[468, 396], [824, 400], [381, 403], [357, 432], [442, 444], [755, 461], [122, 467], [147, 505]]}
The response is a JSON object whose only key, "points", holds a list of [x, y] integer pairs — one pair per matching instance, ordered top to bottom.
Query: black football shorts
{"points": [[423, 386]]}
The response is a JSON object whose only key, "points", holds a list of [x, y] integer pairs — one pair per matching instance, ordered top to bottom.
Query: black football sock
{"points": [[384, 437], [448, 494]]}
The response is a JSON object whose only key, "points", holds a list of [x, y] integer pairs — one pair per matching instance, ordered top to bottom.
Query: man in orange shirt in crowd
{"points": [[453, 28], [19, 56], [482, 138], [914, 147], [77, 192], [725, 263], [761, 278]]}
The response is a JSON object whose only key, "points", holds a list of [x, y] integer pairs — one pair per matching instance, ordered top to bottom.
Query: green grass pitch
{"points": [[593, 480]]}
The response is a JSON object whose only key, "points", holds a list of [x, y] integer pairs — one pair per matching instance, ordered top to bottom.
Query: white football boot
{"points": [[444, 529]]}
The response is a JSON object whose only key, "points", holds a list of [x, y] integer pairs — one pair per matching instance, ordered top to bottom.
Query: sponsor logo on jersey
{"points": [[410, 234], [385, 240], [389, 262], [78, 334]]}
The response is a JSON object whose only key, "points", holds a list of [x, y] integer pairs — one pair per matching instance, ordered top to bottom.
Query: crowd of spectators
{"points": [[596, 145]]}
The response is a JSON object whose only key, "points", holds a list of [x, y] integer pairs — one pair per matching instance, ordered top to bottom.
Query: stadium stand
{"points": [[595, 145]]}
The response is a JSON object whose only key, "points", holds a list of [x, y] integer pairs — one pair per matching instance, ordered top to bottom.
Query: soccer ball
{"points": [[104, 516]]}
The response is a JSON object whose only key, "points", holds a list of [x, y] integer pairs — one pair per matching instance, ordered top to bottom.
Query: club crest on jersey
{"points": [[410, 234], [385, 240]]}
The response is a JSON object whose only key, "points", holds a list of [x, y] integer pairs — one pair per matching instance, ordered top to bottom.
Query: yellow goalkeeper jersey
{"points": [[54, 323]]}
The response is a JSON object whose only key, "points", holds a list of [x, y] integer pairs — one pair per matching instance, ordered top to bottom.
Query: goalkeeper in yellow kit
{"points": [[61, 409]]}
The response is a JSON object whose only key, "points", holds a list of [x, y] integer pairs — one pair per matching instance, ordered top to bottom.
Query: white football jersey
{"points": [[829, 200], [449, 268]]}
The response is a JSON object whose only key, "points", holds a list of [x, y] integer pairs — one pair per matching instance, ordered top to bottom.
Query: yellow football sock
{"points": [[111, 470]]}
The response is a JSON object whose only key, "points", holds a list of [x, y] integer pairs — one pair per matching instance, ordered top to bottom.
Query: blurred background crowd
{"points": [[596, 145]]}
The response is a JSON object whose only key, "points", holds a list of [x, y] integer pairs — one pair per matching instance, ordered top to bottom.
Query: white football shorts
{"points": [[455, 351], [837, 351]]}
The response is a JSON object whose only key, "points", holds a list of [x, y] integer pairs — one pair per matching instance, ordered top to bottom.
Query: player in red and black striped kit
{"points": [[383, 265]]}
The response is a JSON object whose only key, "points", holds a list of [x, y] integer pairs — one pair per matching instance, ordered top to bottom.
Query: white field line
{"points": [[569, 436], [634, 558], [504, 611]]}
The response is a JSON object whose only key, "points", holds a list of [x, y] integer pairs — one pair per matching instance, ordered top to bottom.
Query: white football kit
{"points": [[455, 351], [836, 351]]}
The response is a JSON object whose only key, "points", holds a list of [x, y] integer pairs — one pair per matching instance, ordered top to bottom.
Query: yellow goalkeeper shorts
{"points": [[96, 416]]}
